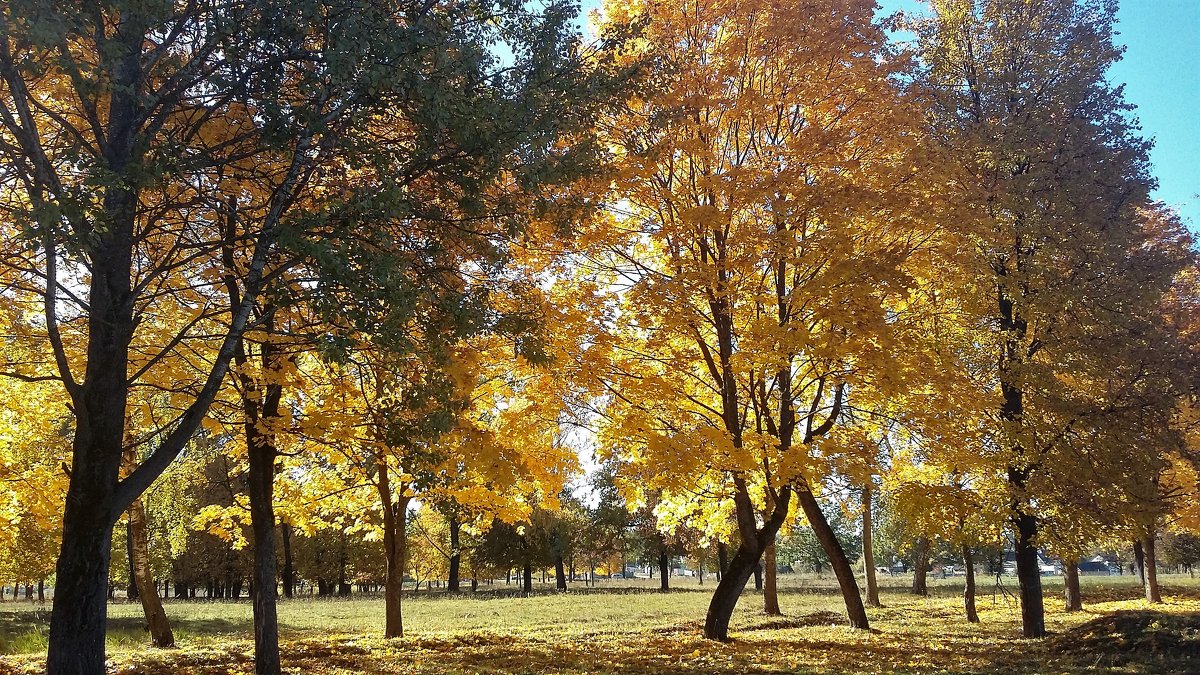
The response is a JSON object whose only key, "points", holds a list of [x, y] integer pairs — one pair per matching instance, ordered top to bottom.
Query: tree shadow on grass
{"points": [[207, 626], [1134, 641]]}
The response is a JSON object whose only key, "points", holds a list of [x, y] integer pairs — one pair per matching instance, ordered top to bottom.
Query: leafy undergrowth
{"points": [[652, 633]]}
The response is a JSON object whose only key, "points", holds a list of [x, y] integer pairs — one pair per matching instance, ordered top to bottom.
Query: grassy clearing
{"points": [[628, 628]]}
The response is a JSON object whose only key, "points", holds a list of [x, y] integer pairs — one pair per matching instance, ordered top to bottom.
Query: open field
{"points": [[626, 627]]}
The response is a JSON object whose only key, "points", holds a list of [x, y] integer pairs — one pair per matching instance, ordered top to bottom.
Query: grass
{"points": [[626, 627]]}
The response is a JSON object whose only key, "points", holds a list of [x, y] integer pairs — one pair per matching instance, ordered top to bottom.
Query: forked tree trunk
{"points": [[395, 517], [868, 550], [745, 558], [920, 584], [770, 587], [969, 587], [729, 590], [147, 591], [1153, 593], [1074, 599], [855, 612]]}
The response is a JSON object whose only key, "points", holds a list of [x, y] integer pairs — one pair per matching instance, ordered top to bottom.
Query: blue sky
{"points": [[1161, 71]]}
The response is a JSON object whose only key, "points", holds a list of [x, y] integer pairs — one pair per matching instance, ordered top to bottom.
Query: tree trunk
{"points": [[99, 401], [260, 407], [395, 519], [868, 552], [722, 559], [745, 559], [1139, 562], [921, 567], [664, 570], [289, 572], [560, 574], [527, 575], [1029, 575], [758, 576], [452, 582], [343, 585], [770, 587], [969, 588], [41, 590], [728, 591], [131, 592], [1153, 594], [1074, 599], [855, 611], [156, 618], [77, 620]]}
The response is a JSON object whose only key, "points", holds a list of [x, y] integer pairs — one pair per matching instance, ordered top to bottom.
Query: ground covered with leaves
{"points": [[637, 630]]}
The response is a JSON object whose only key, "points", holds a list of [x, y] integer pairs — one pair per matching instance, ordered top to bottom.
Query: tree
{"points": [[135, 128], [1063, 255], [758, 273]]}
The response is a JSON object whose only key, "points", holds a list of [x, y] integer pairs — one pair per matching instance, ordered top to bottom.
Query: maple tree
{"points": [[1064, 247], [759, 271], [382, 283]]}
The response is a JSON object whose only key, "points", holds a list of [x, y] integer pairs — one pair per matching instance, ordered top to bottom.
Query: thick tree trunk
{"points": [[868, 550], [921, 567], [289, 572], [560, 574], [1029, 576], [527, 578], [453, 582], [770, 586], [969, 588], [729, 590], [1153, 594], [1074, 599], [855, 611], [156, 618], [77, 620]]}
